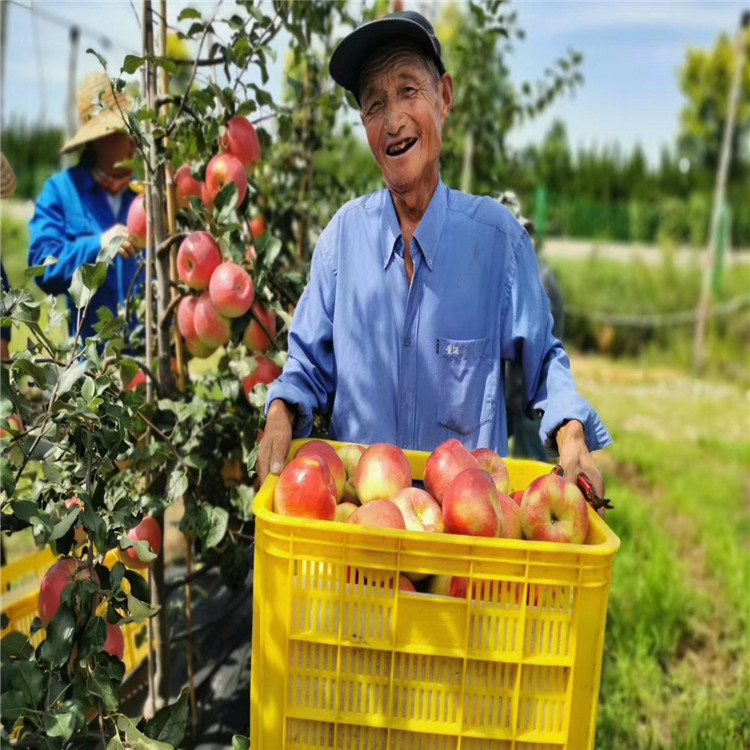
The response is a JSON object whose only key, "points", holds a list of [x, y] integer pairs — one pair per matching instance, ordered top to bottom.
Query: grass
{"points": [[675, 672]]}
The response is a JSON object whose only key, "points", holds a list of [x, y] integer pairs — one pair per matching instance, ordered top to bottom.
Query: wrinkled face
{"points": [[403, 110], [111, 150]]}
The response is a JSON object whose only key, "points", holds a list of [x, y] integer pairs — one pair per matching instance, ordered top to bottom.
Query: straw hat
{"points": [[98, 111], [7, 178]]}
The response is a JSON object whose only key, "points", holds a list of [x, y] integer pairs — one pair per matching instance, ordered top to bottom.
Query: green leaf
{"points": [[188, 13], [101, 60], [131, 63], [33, 272], [86, 280], [71, 375], [88, 389], [7, 478], [177, 485], [242, 498], [213, 525], [62, 527], [142, 549], [138, 610], [94, 637], [15, 645], [56, 649], [27, 677], [99, 684], [13, 705], [64, 723], [170, 723], [137, 740], [115, 743], [240, 743]]}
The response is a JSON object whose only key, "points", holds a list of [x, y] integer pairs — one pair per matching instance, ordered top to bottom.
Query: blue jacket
{"points": [[71, 215], [417, 365]]}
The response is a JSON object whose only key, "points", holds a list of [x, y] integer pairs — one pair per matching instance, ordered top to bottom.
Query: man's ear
{"points": [[446, 95]]}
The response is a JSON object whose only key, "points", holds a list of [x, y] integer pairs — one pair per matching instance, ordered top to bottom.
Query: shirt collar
{"points": [[427, 234]]}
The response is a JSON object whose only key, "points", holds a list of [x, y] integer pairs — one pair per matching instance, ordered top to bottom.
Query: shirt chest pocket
{"points": [[466, 385]]}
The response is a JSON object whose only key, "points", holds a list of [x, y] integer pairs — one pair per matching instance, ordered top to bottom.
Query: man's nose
{"points": [[394, 118]]}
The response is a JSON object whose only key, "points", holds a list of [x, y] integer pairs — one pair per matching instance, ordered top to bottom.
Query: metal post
{"points": [[71, 110], [709, 259]]}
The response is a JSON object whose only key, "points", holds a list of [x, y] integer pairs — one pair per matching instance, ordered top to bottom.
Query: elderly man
{"points": [[418, 293]]}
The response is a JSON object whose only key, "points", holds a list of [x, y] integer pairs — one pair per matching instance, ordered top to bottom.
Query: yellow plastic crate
{"points": [[19, 601], [340, 664]]}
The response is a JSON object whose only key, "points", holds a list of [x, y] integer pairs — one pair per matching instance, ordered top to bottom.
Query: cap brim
{"points": [[354, 50], [105, 123]]}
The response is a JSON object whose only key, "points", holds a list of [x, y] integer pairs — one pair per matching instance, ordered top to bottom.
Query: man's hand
{"points": [[128, 248], [277, 436], [575, 458]]}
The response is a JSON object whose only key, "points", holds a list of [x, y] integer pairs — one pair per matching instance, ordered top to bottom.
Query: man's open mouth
{"points": [[397, 149]]}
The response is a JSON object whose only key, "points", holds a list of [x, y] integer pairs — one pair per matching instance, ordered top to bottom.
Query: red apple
{"points": [[241, 140], [221, 170], [186, 186], [136, 221], [257, 227], [197, 259], [231, 290], [186, 317], [212, 329], [256, 339], [266, 372], [14, 423], [350, 455], [446, 462], [335, 464], [495, 466], [382, 471], [306, 489], [517, 497], [470, 505], [553, 509], [420, 510], [344, 511], [378, 513], [511, 517], [148, 530], [65, 571], [115, 643]]}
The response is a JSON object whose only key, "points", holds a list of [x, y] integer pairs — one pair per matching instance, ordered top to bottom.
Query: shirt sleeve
{"points": [[49, 238], [308, 382], [548, 384]]}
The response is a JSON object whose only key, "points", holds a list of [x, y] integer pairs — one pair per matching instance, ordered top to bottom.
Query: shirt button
{"points": [[407, 341]]}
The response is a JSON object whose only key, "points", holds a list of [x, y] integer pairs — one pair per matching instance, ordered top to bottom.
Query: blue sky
{"points": [[632, 52]]}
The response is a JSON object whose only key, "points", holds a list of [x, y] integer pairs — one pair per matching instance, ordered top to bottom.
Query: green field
{"points": [[676, 648], [676, 655]]}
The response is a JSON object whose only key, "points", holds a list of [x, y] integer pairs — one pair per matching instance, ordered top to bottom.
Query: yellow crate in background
{"points": [[19, 599], [343, 661]]}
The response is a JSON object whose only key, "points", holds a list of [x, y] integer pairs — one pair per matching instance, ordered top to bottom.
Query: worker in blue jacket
{"points": [[81, 210]]}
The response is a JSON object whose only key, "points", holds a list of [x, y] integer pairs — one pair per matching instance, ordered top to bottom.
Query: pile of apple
{"points": [[465, 492]]}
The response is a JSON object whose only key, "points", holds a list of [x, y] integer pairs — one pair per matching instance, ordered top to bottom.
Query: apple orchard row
{"points": [[220, 290]]}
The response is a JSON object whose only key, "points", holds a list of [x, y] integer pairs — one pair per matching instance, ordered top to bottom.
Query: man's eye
{"points": [[409, 91], [373, 108]]}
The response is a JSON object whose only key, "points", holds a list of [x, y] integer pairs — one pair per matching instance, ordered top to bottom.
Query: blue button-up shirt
{"points": [[71, 215], [415, 365]]}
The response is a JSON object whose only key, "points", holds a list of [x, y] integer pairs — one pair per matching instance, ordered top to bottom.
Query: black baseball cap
{"points": [[354, 51]]}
